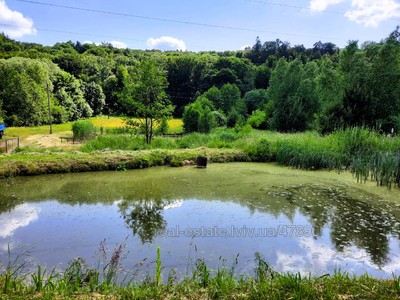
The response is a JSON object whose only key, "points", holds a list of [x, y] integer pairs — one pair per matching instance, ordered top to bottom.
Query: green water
{"points": [[299, 221]]}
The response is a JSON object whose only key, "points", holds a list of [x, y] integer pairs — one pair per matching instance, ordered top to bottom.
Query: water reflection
{"points": [[20, 216], [63, 216], [144, 217], [351, 221]]}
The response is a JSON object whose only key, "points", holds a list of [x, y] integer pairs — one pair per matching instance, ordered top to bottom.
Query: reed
{"points": [[80, 282]]}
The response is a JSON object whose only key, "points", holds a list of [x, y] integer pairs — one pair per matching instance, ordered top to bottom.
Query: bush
{"points": [[190, 118], [220, 118], [233, 118], [258, 120], [206, 121], [163, 127], [83, 129], [261, 151]]}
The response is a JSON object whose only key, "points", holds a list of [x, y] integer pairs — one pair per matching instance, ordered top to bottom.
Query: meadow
{"points": [[365, 153]]}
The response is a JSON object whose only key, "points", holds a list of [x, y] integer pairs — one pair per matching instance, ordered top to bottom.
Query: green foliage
{"points": [[317, 88], [23, 91], [144, 95], [214, 95], [230, 95], [293, 95], [69, 96], [95, 97], [255, 99], [199, 116], [190, 118], [233, 118], [220, 119], [258, 120], [206, 121], [163, 128], [83, 129], [261, 151], [158, 279], [78, 281]]}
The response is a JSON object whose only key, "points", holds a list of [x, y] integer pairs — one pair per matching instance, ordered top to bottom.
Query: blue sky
{"points": [[297, 21]]}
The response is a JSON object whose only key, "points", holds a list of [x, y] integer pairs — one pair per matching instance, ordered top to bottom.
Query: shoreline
{"points": [[30, 164]]}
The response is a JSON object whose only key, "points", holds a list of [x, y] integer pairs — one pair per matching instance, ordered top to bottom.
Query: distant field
{"points": [[102, 121]]}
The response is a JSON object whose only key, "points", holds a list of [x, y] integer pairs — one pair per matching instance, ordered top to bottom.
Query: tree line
{"points": [[271, 85]]}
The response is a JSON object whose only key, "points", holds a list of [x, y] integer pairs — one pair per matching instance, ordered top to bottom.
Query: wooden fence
{"points": [[9, 145]]}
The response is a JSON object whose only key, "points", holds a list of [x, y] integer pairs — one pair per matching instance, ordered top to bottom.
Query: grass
{"points": [[175, 127], [365, 153], [26, 164], [79, 281]]}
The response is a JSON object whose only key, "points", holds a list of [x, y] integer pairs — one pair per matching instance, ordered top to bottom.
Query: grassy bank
{"points": [[367, 154], [23, 164], [79, 281]]}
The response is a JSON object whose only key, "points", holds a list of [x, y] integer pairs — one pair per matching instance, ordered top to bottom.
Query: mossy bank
{"points": [[26, 164]]}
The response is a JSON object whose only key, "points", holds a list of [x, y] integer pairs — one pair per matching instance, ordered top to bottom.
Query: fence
{"points": [[9, 145]]}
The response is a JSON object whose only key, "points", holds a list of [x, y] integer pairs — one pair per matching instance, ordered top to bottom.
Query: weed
{"points": [[13, 277], [158, 278]]}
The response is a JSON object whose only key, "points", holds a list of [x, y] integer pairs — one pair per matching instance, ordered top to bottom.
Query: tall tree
{"points": [[144, 95], [293, 95]]}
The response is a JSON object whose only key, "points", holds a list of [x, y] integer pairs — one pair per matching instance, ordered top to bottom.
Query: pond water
{"points": [[309, 222]]}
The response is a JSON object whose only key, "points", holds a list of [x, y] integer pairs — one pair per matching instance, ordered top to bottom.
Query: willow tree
{"points": [[144, 96]]}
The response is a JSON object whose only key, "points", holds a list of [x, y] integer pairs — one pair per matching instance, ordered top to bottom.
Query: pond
{"points": [[299, 221]]}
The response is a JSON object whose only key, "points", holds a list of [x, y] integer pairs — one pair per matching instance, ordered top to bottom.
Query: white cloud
{"points": [[321, 5], [370, 13], [18, 25], [166, 43], [118, 44], [21, 216], [320, 259]]}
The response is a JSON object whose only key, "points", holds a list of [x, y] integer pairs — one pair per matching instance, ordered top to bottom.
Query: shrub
{"points": [[190, 118], [220, 118], [233, 118], [258, 120], [206, 121], [163, 127], [83, 129], [261, 151]]}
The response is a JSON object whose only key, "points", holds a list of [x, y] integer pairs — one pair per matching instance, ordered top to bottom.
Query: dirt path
{"points": [[49, 141]]}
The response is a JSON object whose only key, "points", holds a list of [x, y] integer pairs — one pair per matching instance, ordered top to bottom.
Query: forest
{"points": [[271, 85]]}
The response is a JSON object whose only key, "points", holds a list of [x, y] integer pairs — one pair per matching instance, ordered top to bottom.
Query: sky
{"points": [[198, 25]]}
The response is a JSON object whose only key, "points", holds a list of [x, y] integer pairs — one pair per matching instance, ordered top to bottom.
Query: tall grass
{"points": [[367, 154], [80, 282]]}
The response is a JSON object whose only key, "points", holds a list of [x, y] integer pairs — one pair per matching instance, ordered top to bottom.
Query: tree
{"points": [[262, 76], [23, 91], [330, 91], [292, 92], [69, 95], [214, 95], [230, 95], [94, 96], [144, 96], [255, 99], [199, 116], [190, 118], [144, 217]]}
